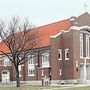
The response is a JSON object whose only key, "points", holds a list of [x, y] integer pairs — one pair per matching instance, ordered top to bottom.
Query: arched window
{"points": [[84, 42], [59, 54], [66, 54]]}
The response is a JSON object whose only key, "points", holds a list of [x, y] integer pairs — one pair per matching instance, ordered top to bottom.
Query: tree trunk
{"points": [[17, 78]]}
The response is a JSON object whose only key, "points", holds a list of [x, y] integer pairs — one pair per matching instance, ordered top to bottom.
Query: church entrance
{"points": [[81, 72], [85, 72], [88, 72], [5, 76]]}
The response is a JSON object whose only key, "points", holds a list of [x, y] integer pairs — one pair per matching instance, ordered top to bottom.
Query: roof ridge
{"points": [[85, 13], [53, 23]]}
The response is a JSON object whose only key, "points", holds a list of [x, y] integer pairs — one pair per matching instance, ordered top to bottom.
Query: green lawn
{"points": [[42, 88], [80, 88]]}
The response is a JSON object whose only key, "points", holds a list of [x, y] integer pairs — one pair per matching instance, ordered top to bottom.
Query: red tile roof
{"points": [[52, 29], [45, 33], [3, 48]]}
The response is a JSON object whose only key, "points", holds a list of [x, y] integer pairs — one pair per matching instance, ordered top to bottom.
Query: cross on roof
{"points": [[85, 6]]}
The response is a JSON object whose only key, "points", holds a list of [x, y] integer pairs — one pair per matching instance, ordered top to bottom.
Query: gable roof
{"points": [[45, 33]]}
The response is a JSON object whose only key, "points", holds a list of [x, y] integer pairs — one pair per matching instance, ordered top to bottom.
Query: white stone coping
{"points": [[71, 28], [79, 28], [62, 31]]}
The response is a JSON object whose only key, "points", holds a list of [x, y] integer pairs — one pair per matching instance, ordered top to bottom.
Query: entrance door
{"points": [[81, 72], [88, 72], [5, 76]]}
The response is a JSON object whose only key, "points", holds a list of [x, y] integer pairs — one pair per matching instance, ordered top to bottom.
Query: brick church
{"points": [[64, 53]]}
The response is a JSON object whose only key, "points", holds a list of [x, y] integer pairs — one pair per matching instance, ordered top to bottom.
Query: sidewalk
{"points": [[69, 86]]}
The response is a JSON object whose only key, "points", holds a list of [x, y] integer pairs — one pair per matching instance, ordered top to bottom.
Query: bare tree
{"points": [[19, 37]]}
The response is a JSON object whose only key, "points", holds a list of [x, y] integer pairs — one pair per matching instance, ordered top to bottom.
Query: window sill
{"points": [[81, 57], [84, 57], [87, 57], [66, 58], [60, 59], [31, 64], [6, 65], [46, 67], [20, 75], [31, 75]]}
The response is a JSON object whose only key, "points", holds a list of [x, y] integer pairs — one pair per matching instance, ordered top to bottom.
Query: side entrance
{"points": [[5, 76]]}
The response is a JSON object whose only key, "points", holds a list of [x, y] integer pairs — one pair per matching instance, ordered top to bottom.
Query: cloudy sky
{"points": [[42, 12]]}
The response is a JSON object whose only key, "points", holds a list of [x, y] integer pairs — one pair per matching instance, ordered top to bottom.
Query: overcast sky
{"points": [[42, 12]]}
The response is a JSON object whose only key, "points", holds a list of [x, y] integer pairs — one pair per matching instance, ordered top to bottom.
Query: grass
{"points": [[42, 88], [79, 88]]}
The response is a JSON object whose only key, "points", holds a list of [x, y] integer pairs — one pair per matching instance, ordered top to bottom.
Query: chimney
{"points": [[73, 21]]}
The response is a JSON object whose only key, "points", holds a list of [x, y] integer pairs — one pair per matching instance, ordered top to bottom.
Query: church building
{"points": [[63, 54]]}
